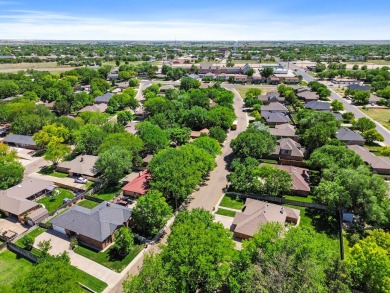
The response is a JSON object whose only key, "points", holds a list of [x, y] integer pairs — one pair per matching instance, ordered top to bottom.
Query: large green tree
{"points": [[154, 137], [88, 138], [253, 143], [209, 144], [114, 163], [11, 170], [151, 213], [124, 242]]}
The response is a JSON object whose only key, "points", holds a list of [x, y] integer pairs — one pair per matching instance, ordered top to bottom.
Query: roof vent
{"points": [[19, 186], [108, 204], [282, 210]]}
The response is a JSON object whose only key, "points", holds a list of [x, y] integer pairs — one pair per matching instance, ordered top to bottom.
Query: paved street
{"points": [[347, 106], [208, 196]]}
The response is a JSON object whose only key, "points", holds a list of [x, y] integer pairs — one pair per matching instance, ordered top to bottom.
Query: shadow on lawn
{"points": [[323, 222]]}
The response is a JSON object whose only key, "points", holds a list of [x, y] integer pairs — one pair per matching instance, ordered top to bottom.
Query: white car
{"points": [[81, 180]]}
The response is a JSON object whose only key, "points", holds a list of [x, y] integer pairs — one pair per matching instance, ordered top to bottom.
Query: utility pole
{"points": [[341, 233]]}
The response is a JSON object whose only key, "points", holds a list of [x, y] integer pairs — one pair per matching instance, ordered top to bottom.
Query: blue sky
{"points": [[195, 20]]}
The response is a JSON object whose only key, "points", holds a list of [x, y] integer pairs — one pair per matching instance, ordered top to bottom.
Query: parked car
{"points": [[81, 180], [66, 200]]}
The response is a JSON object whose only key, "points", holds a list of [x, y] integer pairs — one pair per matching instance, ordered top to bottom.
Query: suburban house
{"points": [[240, 78], [256, 78], [273, 80], [344, 81], [123, 85], [358, 87], [164, 88], [307, 96], [272, 97], [103, 99], [373, 100], [318, 106], [95, 108], [274, 108], [337, 115], [275, 118], [284, 131], [349, 137], [21, 141], [289, 152], [145, 163], [379, 164], [83, 165], [300, 178], [138, 186], [19, 200], [257, 213], [93, 227]]}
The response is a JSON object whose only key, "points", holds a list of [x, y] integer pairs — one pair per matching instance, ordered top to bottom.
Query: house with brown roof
{"points": [[273, 80], [308, 96], [272, 97], [100, 108], [274, 108], [285, 130], [196, 134], [289, 152], [145, 163], [379, 164], [83, 165], [300, 178], [138, 186], [19, 200], [257, 213]]}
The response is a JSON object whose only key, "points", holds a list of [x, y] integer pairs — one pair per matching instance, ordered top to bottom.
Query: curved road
{"points": [[347, 106]]}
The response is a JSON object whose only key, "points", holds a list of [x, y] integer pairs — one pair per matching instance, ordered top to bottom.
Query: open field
{"points": [[112, 63], [46, 66], [264, 89], [382, 116]]}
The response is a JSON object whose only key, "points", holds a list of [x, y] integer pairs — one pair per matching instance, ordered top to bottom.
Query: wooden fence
{"points": [[279, 200]]}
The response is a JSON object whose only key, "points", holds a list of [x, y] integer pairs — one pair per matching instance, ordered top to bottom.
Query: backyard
{"points": [[382, 116], [108, 193], [56, 200], [89, 204], [104, 258]]}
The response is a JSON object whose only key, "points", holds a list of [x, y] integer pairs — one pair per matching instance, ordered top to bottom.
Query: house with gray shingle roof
{"points": [[103, 99], [318, 106], [272, 118], [349, 137], [22, 141], [93, 227]]}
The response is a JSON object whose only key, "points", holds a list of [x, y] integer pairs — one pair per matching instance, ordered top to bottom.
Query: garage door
{"points": [[59, 229]]}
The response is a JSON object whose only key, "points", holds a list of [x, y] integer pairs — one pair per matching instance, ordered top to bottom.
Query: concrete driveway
{"points": [[225, 221], [12, 223], [60, 243]]}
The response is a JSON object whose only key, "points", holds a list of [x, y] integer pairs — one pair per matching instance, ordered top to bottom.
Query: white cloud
{"points": [[25, 24]]}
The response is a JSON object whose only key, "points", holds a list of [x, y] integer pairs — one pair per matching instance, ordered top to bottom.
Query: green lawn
{"points": [[380, 115], [374, 148], [267, 161], [50, 170], [89, 185], [108, 193], [308, 199], [56, 200], [233, 202], [89, 204], [227, 213], [34, 234], [103, 258], [12, 267], [91, 282]]}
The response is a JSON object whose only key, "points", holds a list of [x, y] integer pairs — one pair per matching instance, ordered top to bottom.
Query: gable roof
{"points": [[359, 87], [308, 95], [104, 99], [315, 105], [274, 107], [94, 108], [271, 117], [283, 130], [346, 134], [20, 139], [293, 146], [376, 162], [83, 164], [299, 176], [139, 185], [258, 213], [98, 223]]}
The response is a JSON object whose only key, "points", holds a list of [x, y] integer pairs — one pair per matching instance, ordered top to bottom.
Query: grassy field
{"points": [[112, 63], [368, 63], [264, 89], [380, 115], [50, 170], [108, 193], [308, 199], [56, 200], [233, 202], [89, 204], [227, 213], [34, 234], [104, 258], [12, 267]]}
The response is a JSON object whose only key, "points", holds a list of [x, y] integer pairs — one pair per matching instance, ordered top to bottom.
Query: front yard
{"points": [[382, 116], [56, 200], [233, 202], [224, 212], [104, 258], [13, 268]]}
